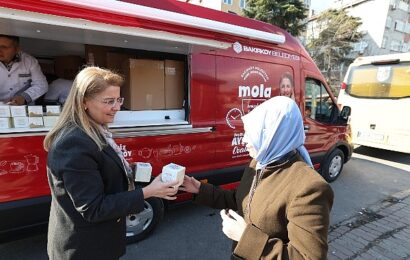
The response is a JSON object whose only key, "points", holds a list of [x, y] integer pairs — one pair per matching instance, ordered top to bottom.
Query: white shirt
{"points": [[24, 78], [58, 90]]}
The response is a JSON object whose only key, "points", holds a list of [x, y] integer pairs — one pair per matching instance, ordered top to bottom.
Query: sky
{"points": [[320, 5]]}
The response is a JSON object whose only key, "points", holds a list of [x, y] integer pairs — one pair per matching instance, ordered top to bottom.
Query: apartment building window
{"points": [[228, 2], [242, 4], [394, 4], [403, 6], [388, 22], [399, 26], [407, 28], [384, 43], [395, 45], [360, 46], [405, 47]]}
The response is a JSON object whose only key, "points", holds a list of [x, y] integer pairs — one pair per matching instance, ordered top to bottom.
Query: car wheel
{"points": [[333, 165], [140, 225]]}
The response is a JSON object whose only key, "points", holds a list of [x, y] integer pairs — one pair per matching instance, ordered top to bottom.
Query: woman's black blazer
{"points": [[89, 200]]}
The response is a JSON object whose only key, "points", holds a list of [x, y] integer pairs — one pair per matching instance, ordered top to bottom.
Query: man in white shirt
{"points": [[21, 79]]}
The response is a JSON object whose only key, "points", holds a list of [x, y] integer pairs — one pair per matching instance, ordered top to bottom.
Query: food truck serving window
{"points": [[154, 90]]}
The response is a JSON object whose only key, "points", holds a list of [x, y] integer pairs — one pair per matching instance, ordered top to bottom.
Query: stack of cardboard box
{"points": [[149, 84]]}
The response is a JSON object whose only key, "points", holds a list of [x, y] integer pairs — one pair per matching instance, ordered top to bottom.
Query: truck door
{"points": [[320, 114]]}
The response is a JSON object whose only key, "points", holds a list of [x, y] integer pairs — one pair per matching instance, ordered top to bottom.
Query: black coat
{"points": [[89, 200]]}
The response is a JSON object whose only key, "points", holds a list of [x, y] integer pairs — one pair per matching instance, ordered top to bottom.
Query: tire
{"points": [[333, 165], [144, 223]]}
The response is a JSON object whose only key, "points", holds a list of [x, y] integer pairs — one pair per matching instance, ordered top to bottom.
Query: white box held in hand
{"points": [[143, 172], [172, 172]]}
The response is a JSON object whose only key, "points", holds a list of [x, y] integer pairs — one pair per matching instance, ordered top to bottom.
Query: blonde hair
{"points": [[88, 83]]}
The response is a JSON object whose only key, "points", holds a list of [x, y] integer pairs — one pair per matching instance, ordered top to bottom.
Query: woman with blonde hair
{"points": [[91, 183]]}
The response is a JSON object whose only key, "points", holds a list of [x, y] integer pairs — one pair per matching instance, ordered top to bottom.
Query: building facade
{"points": [[386, 29]]}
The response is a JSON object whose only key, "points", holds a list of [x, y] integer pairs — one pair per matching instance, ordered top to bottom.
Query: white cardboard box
{"points": [[53, 110], [5, 111], [17, 111], [35, 111], [20, 121], [50, 121], [5, 122], [35, 122], [143, 172], [172, 172]]}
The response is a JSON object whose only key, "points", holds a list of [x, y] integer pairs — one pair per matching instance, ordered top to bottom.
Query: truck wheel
{"points": [[333, 165], [143, 223]]}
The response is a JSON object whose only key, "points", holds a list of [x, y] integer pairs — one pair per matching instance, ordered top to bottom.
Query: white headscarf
{"points": [[275, 128]]}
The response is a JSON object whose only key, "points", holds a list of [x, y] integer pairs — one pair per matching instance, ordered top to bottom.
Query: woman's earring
{"points": [[85, 108]]}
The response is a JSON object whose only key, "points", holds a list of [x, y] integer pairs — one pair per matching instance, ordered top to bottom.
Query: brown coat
{"points": [[288, 217]]}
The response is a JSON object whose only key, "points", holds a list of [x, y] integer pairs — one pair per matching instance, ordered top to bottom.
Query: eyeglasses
{"points": [[111, 101]]}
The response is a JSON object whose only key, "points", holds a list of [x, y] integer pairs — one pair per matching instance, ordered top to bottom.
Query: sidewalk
{"points": [[381, 231]]}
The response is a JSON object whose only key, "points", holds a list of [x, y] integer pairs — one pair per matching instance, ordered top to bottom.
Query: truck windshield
{"points": [[380, 81]]}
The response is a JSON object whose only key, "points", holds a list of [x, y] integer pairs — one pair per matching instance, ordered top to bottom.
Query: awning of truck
{"points": [[123, 18], [63, 29]]}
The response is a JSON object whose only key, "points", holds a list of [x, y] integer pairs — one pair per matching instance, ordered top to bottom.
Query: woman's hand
{"points": [[190, 184], [157, 188], [233, 225]]}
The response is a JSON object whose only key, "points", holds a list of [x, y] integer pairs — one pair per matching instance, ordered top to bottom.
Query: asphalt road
{"points": [[193, 232]]}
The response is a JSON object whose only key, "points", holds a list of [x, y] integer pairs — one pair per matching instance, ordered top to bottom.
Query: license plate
{"points": [[372, 137]]}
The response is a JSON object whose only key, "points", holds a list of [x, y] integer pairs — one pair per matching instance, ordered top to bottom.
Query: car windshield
{"points": [[380, 81]]}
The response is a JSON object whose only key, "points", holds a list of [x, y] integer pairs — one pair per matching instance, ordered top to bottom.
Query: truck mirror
{"points": [[345, 113]]}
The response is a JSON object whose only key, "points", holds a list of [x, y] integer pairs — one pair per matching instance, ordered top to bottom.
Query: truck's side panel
{"points": [[242, 85], [202, 90], [22, 168]]}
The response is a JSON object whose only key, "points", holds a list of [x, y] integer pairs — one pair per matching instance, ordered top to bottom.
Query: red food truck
{"points": [[191, 73]]}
